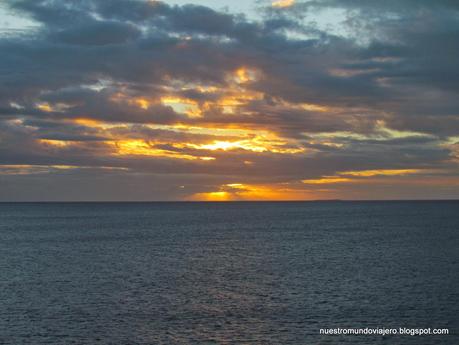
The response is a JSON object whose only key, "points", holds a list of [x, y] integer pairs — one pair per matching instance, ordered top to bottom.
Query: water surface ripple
{"points": [[227, 273]]}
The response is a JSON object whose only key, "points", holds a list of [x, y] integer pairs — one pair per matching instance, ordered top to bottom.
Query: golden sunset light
{"points": [[283, 3], [288, 104], [276, 172], [243, 192]]}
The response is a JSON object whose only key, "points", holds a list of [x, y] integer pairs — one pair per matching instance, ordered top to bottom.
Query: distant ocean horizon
{"points": [[220, 201], [238, 272]]}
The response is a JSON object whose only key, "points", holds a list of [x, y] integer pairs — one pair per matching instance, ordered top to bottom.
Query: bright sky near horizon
{"points": [[296, 100]]}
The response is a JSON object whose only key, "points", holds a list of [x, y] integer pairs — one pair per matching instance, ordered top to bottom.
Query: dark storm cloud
{"points": [[388, 71]]}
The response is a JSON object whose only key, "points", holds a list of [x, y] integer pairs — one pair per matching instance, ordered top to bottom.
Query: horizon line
{"points": [[213, 201]]}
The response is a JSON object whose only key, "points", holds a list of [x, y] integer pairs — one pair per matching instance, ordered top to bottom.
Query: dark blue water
{"points": [[227, 273]]}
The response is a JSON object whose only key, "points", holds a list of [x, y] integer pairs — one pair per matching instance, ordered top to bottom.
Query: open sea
{"points": [[227, 273]]}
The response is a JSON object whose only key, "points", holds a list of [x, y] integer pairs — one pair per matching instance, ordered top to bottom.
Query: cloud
{"points": [[189, 96]]}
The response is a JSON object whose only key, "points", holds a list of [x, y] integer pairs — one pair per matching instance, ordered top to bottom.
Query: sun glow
{"points": [[283, 3], [245, 75], [142, 103], [45, 107], [83, 121], [54, 143], [256, 144], [227, 145], [193, 146], [145, 148], [241, 191], [212, 196]]}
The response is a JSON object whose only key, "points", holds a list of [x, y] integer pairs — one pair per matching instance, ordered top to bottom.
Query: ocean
{"points": [[228, 273]]}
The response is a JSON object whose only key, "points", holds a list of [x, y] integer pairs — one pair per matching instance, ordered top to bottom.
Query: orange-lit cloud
{"points": [[283, 3], [245, 75], [142, 102], [294, 104], [182, 105], [44, 107], [87, 122], [55, 143], [143, 148], [382, 172], [351, 176], [327, 180], [240, 191]]}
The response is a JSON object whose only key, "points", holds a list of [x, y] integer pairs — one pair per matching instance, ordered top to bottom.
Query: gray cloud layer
{"points": [[381, 92]]}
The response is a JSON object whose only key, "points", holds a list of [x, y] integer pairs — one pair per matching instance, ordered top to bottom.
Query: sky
{"points": [[218, 100]]}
